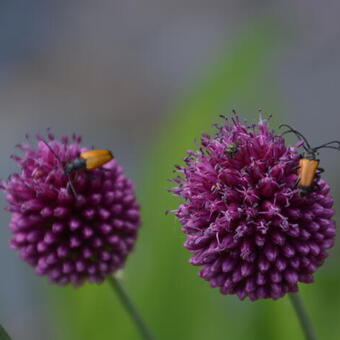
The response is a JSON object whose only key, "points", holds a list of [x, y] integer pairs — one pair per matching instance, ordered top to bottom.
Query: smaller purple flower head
{"points": [[246, 222], [70, 238]]}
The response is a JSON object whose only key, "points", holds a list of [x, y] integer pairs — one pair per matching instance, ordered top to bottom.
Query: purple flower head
{"points": [[246, 222], [70, 238]]}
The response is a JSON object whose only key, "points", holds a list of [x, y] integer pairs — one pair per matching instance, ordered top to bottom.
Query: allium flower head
{"points": [[246, 223], [70, 239]]}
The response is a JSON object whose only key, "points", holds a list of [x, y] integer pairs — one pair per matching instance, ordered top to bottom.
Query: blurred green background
{"points": [[147, 87]]}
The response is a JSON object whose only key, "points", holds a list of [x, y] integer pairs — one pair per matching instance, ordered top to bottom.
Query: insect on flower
{"points": [[231, 149], [87, 160], [308, 167], [250, 233], [68, 240]]}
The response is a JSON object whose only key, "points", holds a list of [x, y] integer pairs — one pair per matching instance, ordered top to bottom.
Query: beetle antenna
{"points": [[298, 134], [302, 140], [329, 145], [53, 152], [61, 164]]}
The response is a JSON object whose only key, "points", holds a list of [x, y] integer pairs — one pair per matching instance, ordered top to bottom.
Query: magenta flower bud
{"points": [[246, 223], [64, 236]]}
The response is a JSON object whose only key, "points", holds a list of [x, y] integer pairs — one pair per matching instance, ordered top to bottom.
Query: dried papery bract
{"points": [[246, 223], [70, 239]]}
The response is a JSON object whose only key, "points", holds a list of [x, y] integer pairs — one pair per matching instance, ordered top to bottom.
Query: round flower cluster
{"points": [[247, 223], [70, 237]]}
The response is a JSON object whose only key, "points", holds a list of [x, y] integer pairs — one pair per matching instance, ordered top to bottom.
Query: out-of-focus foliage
{"points": [[174, 301], [3, 334]]}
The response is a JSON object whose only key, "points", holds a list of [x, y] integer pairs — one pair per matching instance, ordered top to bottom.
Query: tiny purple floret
{"points": [[246, 223], [70, 239]]}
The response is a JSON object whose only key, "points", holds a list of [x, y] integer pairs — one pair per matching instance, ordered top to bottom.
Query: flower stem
{"points": [[130, 308], [301, 313], [3, 334]]}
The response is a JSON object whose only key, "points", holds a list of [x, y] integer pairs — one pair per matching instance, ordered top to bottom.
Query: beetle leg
{"points": [[296, 167], [104, 169], [321, 170], [296, 183], [316, 185], [71, 186], [303, 193]]}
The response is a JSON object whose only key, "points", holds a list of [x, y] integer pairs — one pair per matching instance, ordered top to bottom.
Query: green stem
{"points": [[131, 309], [301, 313]]}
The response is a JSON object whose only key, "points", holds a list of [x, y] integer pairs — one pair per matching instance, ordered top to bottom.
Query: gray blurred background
{"points": [[113, 70]]}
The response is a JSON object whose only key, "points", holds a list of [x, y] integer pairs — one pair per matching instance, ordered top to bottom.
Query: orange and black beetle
{"points": [[87, 160], [309, 164]]}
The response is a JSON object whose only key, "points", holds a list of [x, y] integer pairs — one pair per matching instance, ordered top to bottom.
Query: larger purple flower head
{"points": [[246, 223], [70, 238]]}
